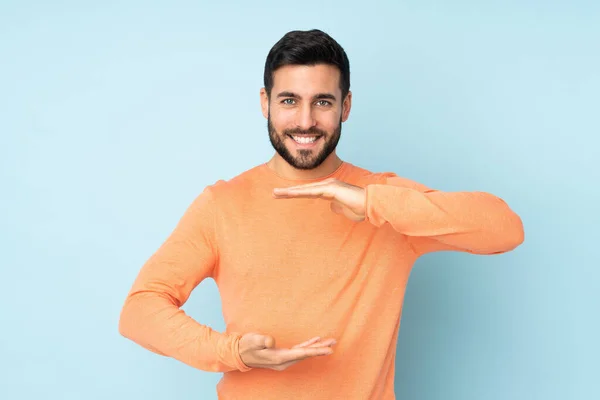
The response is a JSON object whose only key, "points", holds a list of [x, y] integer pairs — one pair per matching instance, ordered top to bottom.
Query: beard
{"points": [[306, 158]]}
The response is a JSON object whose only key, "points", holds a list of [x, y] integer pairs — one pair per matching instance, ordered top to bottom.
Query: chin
{"points": [[305, 164]]}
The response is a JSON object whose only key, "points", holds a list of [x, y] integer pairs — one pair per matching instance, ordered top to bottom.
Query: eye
{"points": [[287, 102], [323, 103]]}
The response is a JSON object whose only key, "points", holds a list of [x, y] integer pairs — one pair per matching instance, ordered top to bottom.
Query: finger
{"points": [[308, 186], [286, 191], [310, 192], [308, 342], [316, 343], [324, 343], [304, 352]]}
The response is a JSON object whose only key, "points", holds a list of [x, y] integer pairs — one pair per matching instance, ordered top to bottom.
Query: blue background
{"points": [[115, 115]]}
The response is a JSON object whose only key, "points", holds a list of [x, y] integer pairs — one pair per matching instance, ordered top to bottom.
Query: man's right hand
{"points": [[259, 351]]}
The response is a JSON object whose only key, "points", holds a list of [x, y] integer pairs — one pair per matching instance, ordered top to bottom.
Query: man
{"points": [[310, 253]]}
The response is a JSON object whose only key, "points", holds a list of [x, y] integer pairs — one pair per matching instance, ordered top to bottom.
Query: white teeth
{"points": [[304, 139]]}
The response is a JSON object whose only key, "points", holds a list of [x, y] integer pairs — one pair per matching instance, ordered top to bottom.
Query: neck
{"points": [[285, 170]]}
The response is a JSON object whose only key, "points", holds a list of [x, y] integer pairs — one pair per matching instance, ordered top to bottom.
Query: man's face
{"points": [[305, 113]]}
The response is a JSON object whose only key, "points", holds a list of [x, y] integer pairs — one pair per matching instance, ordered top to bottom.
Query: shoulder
{"points": [[234, 187]]}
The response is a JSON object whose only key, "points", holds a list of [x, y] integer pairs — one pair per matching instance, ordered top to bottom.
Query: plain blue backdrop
{"points": [[115, 115]]}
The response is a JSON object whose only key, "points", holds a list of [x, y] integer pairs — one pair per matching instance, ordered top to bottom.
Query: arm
{"points": [[473, 222], [151, 315]]}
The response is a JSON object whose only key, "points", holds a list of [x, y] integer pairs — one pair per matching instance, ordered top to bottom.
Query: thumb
{"points": [[336, 207], [268, 341]]}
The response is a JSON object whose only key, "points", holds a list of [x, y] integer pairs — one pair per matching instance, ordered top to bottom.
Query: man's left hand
{"points": [[345, 198]]}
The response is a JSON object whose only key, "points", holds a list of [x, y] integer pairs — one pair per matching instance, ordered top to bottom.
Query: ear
{"points": [[264, 102], [346, 106]]}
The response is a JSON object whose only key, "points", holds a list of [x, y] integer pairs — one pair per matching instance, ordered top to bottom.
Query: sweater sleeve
{"points": [[433, 220], [151, 315]]}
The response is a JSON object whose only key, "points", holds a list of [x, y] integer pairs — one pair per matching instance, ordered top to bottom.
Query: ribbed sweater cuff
{"points": [[235, 350]]}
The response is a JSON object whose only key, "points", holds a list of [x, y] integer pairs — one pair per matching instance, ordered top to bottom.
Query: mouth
{"points": [[305, 141]]}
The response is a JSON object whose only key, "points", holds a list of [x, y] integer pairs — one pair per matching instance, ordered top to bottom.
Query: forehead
{"points": [[307, 79]]}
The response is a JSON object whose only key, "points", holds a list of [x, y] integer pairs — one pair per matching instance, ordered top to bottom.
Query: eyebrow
{"points": [[319, 96]]}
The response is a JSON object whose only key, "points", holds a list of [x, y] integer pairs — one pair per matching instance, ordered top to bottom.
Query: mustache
{"points": [[311, 131]]}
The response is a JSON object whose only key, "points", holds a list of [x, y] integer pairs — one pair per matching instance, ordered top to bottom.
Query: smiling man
{"points": [[306, 114], [311, 254]]}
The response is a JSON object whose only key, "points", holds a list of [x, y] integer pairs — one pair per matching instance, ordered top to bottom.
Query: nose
{"points": [[305, 118]]}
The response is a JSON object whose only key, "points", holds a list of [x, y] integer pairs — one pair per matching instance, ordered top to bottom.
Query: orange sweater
{"points": [[293, 269]]}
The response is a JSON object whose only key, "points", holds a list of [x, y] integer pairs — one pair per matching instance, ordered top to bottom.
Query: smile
{"points": [[304, 139]]}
